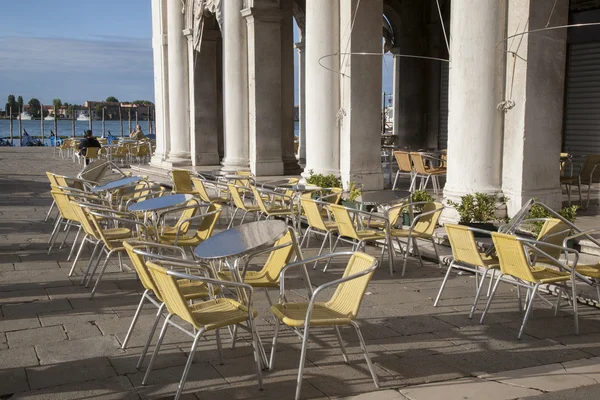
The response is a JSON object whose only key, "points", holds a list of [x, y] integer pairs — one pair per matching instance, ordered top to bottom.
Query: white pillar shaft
{"points": [[476, 81], [178, 87], [235, 87], [322, 87], [161, 88], [360, 94], [301, 104], [532, 129], [288, 155]]}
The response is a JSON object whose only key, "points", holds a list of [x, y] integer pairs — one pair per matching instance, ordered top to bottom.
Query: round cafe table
{"points": [[118, 184], [156, 204], [235, 244]]}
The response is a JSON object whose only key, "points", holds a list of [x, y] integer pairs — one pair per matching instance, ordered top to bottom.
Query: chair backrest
{"points": [[92, 152], [403, 160], [418, 162], [588, 166], [95, 171], [52, 179], [182, 181], [291, 181], [200, 189], [235, 195], [335, 196], [259, 199], [63, 203], [189, 212], [313, 214], [394, 214], [84, 219], [344, 221], [427, 223], [208, 224], [554, 231], [464, 247], [512, 257], [278, 258], [140, 266], [170, 292], [348, 295]]}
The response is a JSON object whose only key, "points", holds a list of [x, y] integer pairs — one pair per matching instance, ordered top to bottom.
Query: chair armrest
{"points": [[195, 217], [138, 244], [533, 245], [263, 251]]}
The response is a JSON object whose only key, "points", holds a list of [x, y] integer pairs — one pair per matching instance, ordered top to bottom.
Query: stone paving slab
{"points": [[466, 389]]}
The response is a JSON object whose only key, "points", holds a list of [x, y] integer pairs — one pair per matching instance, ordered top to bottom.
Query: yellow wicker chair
{"points": [[405, 168], [423, 171], [588, 175], [182, 181], [200, 189], [238, 193], [279, 205], [316, 224], [422, 227], [204, 229], [360, 237], [139, 253], [466, 256], [514, 262], [588, 273], [341, 309], [204, 316]]}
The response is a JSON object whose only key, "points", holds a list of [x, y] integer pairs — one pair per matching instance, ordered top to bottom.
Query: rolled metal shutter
{"points": [[582, 108], [443, 125]]}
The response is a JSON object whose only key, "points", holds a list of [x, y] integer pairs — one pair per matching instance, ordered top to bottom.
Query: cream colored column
{"points": [[161, 87], [235, 87], [322, 87], [476, 87], [264, 90], [360, 93], [301, 104], [532, 129], [179, 130]]}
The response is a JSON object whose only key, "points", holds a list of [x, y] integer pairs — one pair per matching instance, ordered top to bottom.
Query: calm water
{"points": [[65, 128]]}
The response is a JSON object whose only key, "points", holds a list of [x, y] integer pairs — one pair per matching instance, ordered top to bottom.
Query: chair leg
{"points": [[396, 180], [50, 211], [232, 218], [55, 229], [68, 230], [306, 233], [74, 243], [416, 246], [320, 250], [78, 254], [93, 259], [101, 273], [574, 294], [437, 299], [487, 305], [474, 306], [528, 311], [135, 318], [150, 336], [161, 337], [341, 342], [274, 345], [219, 347], [366, 353], [258, 357], [302, 361]]}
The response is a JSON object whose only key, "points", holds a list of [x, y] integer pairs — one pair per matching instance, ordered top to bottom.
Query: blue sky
{"points": [[81, 50]]}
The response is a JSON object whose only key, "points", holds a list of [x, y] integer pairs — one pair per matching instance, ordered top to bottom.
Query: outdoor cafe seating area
{"points": [[193, 244]]}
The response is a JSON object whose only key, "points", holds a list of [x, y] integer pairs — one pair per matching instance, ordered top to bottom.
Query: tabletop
{"points": [[119, 183], [300, 188], [383, 197], [160, 203], [241, 240]]}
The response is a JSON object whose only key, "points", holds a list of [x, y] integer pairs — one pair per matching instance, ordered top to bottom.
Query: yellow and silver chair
{"points": [[182, 181], [239, 195], [316, 224], [202, 226], [515, 262], [340, 310], [204, 316]]}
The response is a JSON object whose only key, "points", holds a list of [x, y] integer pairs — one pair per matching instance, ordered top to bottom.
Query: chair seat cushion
{"points": [[370, 234], [591, 271], [549, 275], [253, 278], [217, 313], [294, 314]]}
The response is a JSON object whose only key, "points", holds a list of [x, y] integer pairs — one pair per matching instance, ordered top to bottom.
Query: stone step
{"points": [[589, 247]]}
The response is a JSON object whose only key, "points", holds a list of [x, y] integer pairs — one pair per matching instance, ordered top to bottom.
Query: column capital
{"points": [[261, 14], [300, 46]]}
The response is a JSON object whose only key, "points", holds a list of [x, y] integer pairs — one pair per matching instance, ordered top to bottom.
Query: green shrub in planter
{"points": [[479, 210], [537, 211]]}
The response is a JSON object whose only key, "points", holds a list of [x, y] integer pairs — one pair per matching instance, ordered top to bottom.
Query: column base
{"points": [[157, 159], [179, 159], [207, 159], [301, 161], [235, 164], [291, 166], [267, 167], [371, 180]]}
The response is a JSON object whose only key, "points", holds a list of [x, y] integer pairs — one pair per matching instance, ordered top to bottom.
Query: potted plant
{"points": [[415, 197], [479, 210], [537, 211]]}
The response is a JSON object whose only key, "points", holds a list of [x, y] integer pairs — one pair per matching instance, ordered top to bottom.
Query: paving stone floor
{"points": [[56, 343]]}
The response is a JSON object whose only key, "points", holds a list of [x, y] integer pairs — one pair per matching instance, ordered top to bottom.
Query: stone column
{"points": [[410, 85], [161, 87], [322, 87], [476, 87], [235, 88], [264, 90], [360, 93], [301, 103], [205, 124], [179, 130], [532, 130], [288, 155]]}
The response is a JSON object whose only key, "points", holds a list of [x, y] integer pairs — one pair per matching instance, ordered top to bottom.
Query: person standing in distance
{"points": [[88, 141]]}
